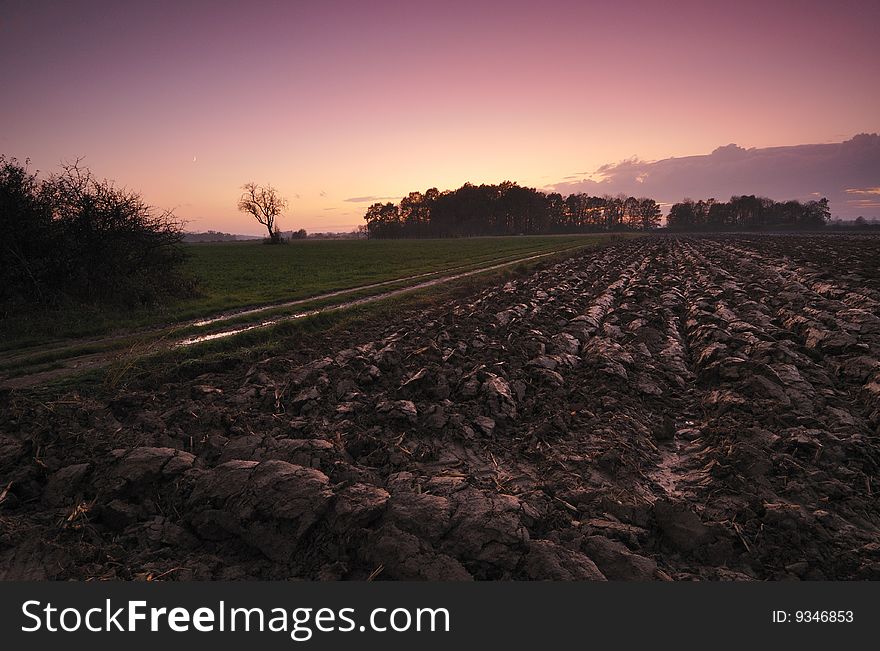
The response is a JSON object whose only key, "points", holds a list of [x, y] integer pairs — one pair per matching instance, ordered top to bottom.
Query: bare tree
{"points": [[265, 204]]}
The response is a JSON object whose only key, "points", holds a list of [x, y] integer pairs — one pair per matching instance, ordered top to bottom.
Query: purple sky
{"points": [[338, 102]]}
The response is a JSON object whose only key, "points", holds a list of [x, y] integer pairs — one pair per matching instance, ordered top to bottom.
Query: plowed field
{"points": [[663, 408]]}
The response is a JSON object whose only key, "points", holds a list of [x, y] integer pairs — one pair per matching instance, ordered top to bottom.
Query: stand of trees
{"points": [[506, 209], [509, 209], [747, 213], [74, 237]]}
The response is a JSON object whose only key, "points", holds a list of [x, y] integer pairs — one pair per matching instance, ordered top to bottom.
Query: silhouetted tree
{"points": [[265, 205], [510, 209], [614, 212], [747, 212], [555, 213], [816, 213], [414, 214], [649, 214], [681, 215], [575, 218], [383, 220]]}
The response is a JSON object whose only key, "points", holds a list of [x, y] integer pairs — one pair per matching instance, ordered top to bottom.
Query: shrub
{"points": [[74, 237]]}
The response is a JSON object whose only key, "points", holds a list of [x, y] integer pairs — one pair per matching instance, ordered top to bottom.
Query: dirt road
{"points": [[47, 362]]}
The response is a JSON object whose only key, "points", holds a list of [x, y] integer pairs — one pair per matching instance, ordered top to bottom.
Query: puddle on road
{"points": [[339, 292], [361, 301], [280, 306], [264, 324], [93, 360]]}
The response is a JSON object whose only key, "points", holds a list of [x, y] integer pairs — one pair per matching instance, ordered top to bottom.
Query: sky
{"points": [[338, 104]]}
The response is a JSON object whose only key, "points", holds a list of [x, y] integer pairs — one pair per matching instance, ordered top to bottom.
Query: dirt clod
{"points": [[665, 408]]}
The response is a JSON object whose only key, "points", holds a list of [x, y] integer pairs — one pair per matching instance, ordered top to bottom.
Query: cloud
{"points": [[848, 173], [863, 191], [370, 199]]}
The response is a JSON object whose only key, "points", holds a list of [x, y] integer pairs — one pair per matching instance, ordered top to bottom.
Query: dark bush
{"points": [[74, 237], [27, 250]]}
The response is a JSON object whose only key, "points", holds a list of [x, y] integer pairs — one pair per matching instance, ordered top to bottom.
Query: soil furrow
{"points": [[666, 408]]}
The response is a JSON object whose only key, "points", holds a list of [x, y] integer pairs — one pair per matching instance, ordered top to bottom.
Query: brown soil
{"points": [[669, 408]]}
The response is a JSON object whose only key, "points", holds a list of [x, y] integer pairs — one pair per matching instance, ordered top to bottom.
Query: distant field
{"points": [[244, 273], [235, 275]]}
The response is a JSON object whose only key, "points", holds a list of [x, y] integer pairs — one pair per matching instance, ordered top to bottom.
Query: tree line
{"points": [[506, 209], [510, 209], [747, 213]]}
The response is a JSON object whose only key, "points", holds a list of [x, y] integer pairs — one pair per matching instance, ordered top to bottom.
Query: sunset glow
{"points": [[339, 103]]}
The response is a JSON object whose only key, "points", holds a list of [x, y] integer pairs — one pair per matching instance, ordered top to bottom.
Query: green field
{"points": [[239, 275]]}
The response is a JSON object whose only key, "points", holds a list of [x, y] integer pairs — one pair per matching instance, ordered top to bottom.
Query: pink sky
{"points": [[331, 101]]}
